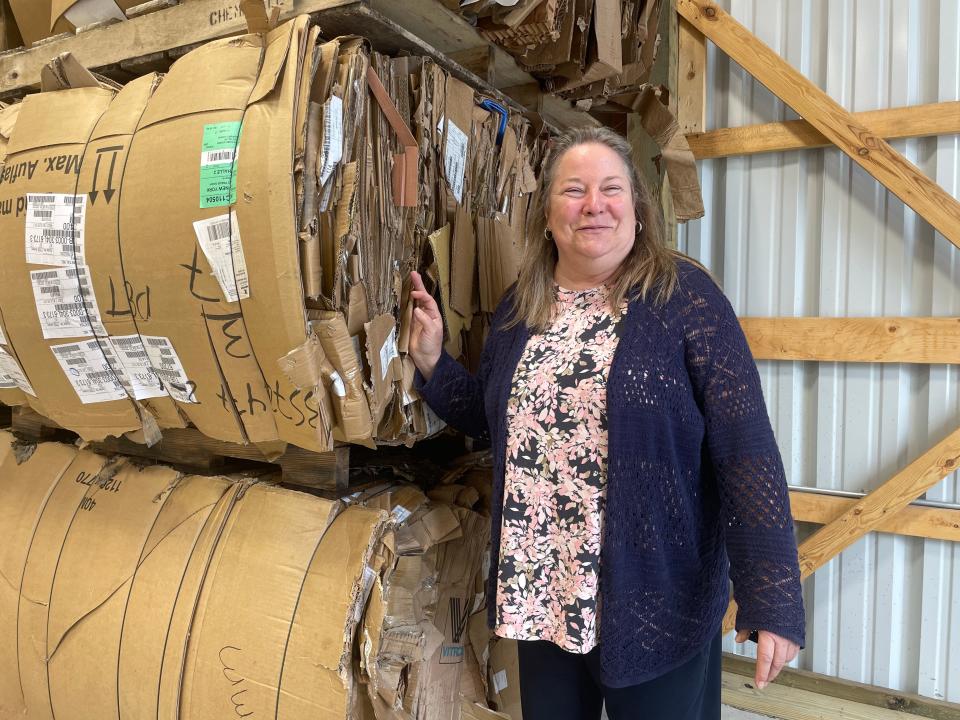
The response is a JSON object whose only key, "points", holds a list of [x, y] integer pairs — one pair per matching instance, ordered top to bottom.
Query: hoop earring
{"points": [[638, 229], [547, 234]]}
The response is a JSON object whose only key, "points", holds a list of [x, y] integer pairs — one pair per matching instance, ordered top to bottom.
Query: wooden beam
{"points": [[184, 24], [478, 60], [692, 79], [903, 122], [872, 153], [888, 340], [877, 507], [873, 510], [914, 520], [826, 685], [787, 703]]}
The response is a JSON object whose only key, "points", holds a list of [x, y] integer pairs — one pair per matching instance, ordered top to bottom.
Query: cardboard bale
{"points": [[301, 183], [201, 597]]}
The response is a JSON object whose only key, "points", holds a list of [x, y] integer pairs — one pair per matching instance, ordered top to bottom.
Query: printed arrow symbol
{"points": [[96, 172], [109, 192]]}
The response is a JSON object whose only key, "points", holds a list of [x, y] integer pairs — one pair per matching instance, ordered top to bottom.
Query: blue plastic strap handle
{"points": [[496, 107]]}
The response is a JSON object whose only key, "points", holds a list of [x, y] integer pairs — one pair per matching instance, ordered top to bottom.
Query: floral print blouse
{"points": [[555, 480]]}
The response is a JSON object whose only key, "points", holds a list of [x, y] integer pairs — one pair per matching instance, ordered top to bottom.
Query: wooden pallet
{"points": [[151, 41], [190, 450]]}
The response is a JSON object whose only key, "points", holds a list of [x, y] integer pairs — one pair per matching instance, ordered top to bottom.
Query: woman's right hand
{"points": [[426, 335]]}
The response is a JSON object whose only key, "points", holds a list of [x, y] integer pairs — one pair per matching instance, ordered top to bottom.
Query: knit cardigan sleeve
{"points": [[456, 395], [755, 504]]}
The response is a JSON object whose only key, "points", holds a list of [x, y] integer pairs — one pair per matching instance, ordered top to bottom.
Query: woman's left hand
{"points": [[773, 652]]}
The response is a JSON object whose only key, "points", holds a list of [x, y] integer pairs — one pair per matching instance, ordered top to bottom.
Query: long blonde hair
{"points": [[650, 268]]}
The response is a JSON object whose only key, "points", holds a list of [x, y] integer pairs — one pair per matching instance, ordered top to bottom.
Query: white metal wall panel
{"points": [[808, 233]]}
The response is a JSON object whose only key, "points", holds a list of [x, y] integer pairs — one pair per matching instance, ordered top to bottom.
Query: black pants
{"points": [[560, 685]]}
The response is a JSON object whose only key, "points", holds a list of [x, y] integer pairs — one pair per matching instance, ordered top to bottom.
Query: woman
{"points": [[632, 452]]}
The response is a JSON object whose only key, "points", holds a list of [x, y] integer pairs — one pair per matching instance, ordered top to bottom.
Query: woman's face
{"points": [[590, 210]]}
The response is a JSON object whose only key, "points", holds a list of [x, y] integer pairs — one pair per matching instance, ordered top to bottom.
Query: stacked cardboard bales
{"points": [[594, 51], [228, 245], [136, 591], [139, 592]]}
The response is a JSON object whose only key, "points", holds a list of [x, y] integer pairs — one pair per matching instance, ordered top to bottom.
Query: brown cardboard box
{"points": [[140, 591], [504, 677]]}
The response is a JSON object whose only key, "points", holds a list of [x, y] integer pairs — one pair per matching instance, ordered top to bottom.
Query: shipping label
{"points": [[332, 151], [454, 158], [218, 164], [54, 229], [219, 238], [65, 302], [388, 352], [166, 364], [92, 369], [11, 375], [143, 382]]}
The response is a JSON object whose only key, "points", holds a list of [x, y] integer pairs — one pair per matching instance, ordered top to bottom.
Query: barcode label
{"points": [[332, 151], [217, 157], [454, 158], [55, 229], [219, 238], [66, 305], [166, 364], [92, 370], [12, 375], [144, 382]]}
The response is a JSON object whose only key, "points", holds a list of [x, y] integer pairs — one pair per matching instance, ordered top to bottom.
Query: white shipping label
{"points": [[332, 151], [454, 158], [54, 229], [219, 238], [66, 305], [388, 352], [166, 364], [88, 368], [11, 375], [143, 381], [339, 389], [434, 423], [400, 513], [369, 576], [500, 681]]}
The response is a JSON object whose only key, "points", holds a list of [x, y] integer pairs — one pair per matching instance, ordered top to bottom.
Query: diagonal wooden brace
{"points": [[872, 153], [874, 509]]}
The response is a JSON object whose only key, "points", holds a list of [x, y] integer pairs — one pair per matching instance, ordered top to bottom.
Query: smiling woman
{"points": [[635, 469]]}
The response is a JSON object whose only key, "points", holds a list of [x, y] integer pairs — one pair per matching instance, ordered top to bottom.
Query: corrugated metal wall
{"points": [[809, 233]]}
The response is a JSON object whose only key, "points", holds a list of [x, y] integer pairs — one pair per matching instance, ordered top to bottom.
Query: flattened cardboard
{"points": [[33, 20], [204, 88], [44, 156], [101, 175], [274, 314], [354, 423], [24, 493], [257, 572], [38, 573], [334, 594], [88, 600], [504, 677]]}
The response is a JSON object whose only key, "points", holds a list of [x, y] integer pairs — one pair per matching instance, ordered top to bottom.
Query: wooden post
{"points": [[691, 79], [872, 153]]}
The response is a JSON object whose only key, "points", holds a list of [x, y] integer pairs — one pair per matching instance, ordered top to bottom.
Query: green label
{"points": [[218, 164]]}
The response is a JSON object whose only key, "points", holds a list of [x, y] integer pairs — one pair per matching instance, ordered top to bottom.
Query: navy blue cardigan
{"points": [[694, 476]]}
